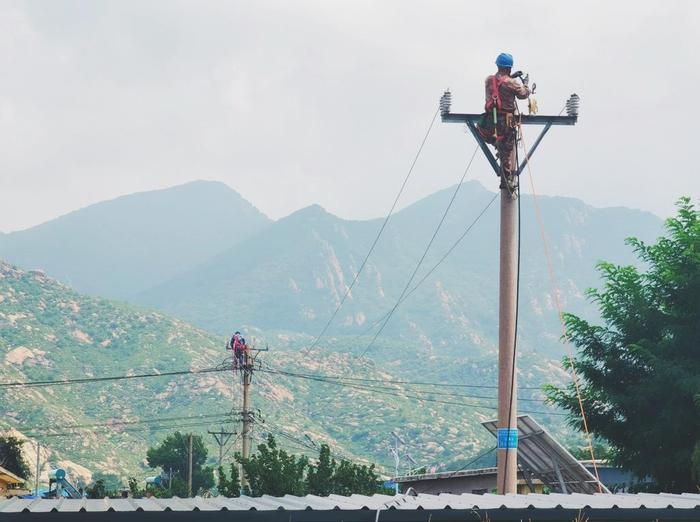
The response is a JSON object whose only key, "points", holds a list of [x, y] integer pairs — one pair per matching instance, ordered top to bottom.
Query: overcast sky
{"points": [[293, 103]]}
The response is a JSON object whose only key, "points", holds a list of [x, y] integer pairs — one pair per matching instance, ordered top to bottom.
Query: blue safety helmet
{"points": [[504, 60]]}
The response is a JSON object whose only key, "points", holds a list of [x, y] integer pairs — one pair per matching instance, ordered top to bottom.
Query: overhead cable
{"points": [[379, 234], [425, 253]]}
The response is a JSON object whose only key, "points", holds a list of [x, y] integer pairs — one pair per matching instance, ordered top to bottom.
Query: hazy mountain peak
{"points": [[125, 245]]}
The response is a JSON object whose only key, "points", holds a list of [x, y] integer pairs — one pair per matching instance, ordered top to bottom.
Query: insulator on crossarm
{"points": [[445, 103], [572, 105]]}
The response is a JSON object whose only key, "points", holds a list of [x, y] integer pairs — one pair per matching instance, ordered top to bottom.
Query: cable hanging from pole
{"points": [[379, 234], [425, 253], [434, 267]]}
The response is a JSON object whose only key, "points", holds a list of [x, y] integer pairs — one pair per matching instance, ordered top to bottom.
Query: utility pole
{"points": [[508, 279], [243, 362], [246, 414], [221, 437], [395, 451], [189, 467], [36, 476]]}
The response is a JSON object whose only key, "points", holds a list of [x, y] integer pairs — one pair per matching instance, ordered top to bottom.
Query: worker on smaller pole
{"points": [[498, 125], [237, 344]]}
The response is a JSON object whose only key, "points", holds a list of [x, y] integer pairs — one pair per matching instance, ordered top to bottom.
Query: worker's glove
{"points": [[525, 79]]}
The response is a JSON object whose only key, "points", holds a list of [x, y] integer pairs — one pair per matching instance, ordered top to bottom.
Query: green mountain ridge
{"points": [[292, 275], [48, 332]]}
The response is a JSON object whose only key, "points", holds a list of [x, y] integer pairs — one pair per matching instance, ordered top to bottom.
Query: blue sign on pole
{"points": [[507, 438]]}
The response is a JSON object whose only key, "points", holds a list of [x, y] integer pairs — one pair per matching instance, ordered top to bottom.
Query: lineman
{"points": [[498, 124], [237, 344]]}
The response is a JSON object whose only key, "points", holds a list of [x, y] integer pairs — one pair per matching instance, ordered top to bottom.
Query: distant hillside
{"points": [[120, 247], [292, 274], [48, 332]]}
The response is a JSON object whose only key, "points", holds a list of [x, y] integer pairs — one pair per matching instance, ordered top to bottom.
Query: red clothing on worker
{"points": [[508, 89]]}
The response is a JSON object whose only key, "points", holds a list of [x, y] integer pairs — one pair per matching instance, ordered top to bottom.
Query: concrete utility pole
{"points": [[508, 280], [507, 309], [244, 362], [246, 414], [221, 437], [189, 467], [36, 476]]}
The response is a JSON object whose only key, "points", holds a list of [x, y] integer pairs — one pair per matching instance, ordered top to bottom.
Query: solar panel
{"points": [[540, 455]]}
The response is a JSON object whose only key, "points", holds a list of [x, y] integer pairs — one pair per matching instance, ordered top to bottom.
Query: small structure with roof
{"points": [[11, 485]]}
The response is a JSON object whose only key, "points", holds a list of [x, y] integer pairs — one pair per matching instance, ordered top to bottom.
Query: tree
{"points": [[640, 370], [172, 453], [11, 457], [273, 471], [352, 478], [319, 479], [229, 487]]}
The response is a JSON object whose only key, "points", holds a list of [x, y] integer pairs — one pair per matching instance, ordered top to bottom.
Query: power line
{"points": [[379, 233], [425, 252], [436, 265], [335, 380], [62, 382], [410, 383], [369, 389], [118, 423], [104, 431]]}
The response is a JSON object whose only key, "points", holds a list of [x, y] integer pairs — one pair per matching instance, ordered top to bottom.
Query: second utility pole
{"points": [[189, 466]]}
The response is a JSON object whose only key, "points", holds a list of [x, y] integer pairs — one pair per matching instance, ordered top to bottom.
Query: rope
{"points": [[379, 233], [560, 312]]}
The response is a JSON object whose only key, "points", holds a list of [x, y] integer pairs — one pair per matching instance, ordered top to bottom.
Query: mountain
{"points": [[120, 247], [292, 275], [48, 332]]}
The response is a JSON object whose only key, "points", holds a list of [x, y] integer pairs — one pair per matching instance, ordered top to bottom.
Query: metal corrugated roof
{"points": [[359, 502]]}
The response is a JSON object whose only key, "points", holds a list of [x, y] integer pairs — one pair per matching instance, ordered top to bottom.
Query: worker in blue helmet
{"points": [[498, 124]]}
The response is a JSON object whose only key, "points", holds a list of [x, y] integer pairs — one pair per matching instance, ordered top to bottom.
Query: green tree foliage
{"points": [[641, 370], [172, 453], [11, 457], [273, 471], [319, 479], [229, 486], [98, 489]]}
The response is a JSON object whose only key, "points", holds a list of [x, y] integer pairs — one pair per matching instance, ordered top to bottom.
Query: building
{"points": [[474, 481], [10, 484]]}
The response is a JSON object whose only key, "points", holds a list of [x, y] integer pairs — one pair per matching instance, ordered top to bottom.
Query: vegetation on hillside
{"points": [[48, 331]]}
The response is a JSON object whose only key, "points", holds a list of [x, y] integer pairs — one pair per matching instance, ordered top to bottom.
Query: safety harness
{"points": [[493, 107]]}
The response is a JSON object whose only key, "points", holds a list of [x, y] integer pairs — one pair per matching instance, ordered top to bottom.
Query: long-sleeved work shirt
{"points": [[509, 89]]}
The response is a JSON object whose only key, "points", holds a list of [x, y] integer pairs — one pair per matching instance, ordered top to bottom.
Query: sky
{"points": [[296, 103]]}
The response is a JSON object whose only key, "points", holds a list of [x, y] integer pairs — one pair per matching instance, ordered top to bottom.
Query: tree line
{"points": [[270, 471]]}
